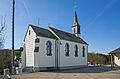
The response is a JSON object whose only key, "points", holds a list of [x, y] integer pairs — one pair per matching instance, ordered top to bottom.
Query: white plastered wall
{"points": [[30, 44], [117, 59], [42, 60], [71, 60]]}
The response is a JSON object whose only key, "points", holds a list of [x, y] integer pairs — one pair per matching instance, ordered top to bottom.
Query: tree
{"points": [[2, 31], [97, 58]]}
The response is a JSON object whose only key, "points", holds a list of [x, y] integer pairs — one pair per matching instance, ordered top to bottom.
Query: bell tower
{"points": [[76, 26]]}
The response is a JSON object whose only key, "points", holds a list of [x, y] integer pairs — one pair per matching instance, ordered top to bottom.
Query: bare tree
{"points": [[2, 31]]}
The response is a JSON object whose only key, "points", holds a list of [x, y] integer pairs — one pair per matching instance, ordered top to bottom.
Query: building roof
{"points": [[42, 32], [61, 34], [67, 36], [115, 51]]}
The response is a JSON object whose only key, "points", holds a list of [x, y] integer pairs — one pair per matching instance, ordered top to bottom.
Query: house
{"points": [[51, 48], [116, 54]]}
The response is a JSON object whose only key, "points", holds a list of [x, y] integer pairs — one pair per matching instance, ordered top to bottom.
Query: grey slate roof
{"points": [[42, 32], [61, 34], [67, 36], [115, 51]]}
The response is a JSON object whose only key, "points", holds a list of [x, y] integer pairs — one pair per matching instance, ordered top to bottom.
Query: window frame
{"points": [[74, 30], [29, 32], [37, 40], [49, 48], [67, 49], [76, 51], [83, 51]]}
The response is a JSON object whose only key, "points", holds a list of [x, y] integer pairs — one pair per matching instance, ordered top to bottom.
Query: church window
{"points": [[74, 30], [29, 32], [37, 40], [49, 48], [36, 49], [67, 49], [76, 50], [83, 51]]}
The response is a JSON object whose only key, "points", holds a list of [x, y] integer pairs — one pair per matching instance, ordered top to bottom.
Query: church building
{"points": [[48, 49]]}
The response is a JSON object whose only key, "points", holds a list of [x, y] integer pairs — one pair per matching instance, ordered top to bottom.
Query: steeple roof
{"points": [[75, 20]]}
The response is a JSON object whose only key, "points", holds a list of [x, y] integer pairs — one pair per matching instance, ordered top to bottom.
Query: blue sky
{"points": [[99, 20]]}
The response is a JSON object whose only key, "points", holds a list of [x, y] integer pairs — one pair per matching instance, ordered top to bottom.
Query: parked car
{"points": [[90, 63]]}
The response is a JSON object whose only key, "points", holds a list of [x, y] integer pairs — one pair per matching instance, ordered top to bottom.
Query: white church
{"points": [[53, 49]]}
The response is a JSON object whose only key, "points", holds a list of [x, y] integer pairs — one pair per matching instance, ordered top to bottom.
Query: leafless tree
{"points": [[2, 32]]}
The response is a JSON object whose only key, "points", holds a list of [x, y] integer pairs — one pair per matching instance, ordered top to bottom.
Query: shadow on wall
{"points": [[92, 69]]}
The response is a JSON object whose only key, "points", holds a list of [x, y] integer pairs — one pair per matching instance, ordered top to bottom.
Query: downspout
{"points": [[57, 54]]}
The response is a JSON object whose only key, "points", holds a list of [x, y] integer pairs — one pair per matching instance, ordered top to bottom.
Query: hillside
{"points": [[97, 58], [5, 59]]}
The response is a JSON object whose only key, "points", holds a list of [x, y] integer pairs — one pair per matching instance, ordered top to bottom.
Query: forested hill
{"points": [[97, 58], [5, 59]]}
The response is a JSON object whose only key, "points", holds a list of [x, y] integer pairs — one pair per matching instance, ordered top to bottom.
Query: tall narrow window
{"points": [[74, 30], [29, 32], [37, 40], [49, 44], [67, 49], [76, 50], [83, 51]]}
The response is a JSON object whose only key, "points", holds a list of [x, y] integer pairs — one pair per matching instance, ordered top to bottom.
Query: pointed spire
{"points": [[75, 20], [76, 26]]}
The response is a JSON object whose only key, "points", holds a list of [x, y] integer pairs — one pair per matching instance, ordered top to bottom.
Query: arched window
{"points": [[74, 30], [37, 40], [49, 48], [67, 49], [76, 50], [83, 51]]}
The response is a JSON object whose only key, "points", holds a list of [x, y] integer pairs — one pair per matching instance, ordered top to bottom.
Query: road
{"points": [[83, 73]]}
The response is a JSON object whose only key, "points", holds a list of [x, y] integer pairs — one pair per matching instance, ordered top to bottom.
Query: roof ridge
{"points": [[37, 27], [61, 30], [42, 31], [65, 32], [68, 34]]}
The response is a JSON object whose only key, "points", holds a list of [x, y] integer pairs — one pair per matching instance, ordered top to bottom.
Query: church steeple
{"points": [[75, 19], [76, 26]]}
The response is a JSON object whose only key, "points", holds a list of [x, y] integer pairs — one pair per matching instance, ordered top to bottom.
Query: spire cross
{"points": [[75, 4], [48, 24]]}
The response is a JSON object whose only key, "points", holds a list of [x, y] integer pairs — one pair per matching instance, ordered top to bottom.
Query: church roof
{"points": [[42, 32], [61, 34], [67, 36], [115, 51]]}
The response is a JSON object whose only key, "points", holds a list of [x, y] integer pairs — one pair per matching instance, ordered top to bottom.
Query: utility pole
{"points": [[13, 11], [111, 62]]}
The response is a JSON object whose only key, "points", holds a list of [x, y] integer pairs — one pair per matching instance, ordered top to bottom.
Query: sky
{"points": [[99, 20]]}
